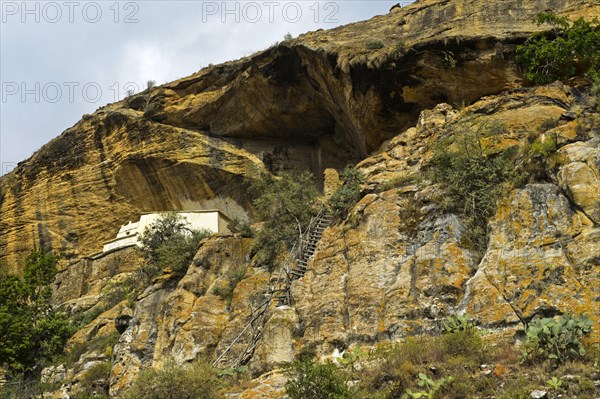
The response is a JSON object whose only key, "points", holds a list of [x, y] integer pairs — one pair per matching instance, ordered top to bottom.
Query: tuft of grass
{"points": [[374, 45], [234, 276]]}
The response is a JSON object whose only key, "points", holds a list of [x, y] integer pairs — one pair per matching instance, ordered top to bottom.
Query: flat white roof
{"points": [[196, 211]]}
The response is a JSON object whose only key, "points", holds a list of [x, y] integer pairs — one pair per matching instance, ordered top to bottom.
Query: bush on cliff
{"points": [[570, 49], [472, 178], [348, 194], [286, 204], [169, 243], [32, 330], [197, 380], [312, 380]]}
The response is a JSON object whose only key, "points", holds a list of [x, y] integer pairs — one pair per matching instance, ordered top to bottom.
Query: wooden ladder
{"points": [[279, 288]]}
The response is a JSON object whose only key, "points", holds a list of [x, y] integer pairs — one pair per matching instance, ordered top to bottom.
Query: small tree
{"points": [[570, 48], [286, 203], [170, 243], [32, 330]]}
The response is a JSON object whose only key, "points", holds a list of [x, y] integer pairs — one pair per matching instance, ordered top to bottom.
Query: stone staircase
{"points": [[278, 291]]}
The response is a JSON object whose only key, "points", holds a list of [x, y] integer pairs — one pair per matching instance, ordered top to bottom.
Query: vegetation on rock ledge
{"points": [[571, 48], [286, 203], [170, 244]]}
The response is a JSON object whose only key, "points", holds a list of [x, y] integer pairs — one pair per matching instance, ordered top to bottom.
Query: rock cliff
{"points": [[321, 100], [398, 264]]}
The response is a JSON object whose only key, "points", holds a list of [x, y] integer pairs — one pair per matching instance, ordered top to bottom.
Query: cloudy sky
{"points": [[60, 60]]}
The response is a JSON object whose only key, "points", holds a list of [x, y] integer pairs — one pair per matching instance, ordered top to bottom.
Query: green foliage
{"points": [[287, 37], [374, 45], [569, 49], [450, 60], [596, 89], [544, 147], [472, 178], [348, 194], [286, 204], [240, 227], [169, 243], [234, 276], [458, 323], [32, 330], [557, 340], [459, 343], [102, 344], [350, 359], [99, 372], [234, 372], [197, 380], [311, 380], [555, 383], [431, 386], [19, 388]]}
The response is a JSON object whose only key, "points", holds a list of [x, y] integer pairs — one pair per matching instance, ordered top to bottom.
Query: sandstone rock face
{"points": [[321, 100], [580, 177], [80, 188], [538, 260], [399, 265], [396, 266], [88, 280], [187, 319], [277, 343]]}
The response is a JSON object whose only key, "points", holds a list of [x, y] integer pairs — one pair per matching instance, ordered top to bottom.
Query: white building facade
{"points": [[130, 233]]}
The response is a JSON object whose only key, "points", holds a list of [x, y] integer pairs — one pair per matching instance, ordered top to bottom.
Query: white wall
{"points": [[129, 234], [120, 242]]}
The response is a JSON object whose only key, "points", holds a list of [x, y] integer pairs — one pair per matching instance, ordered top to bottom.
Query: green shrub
{"points": [[374, 45], [570, 48], [450, 60], [596, 89], [472, 179], [348, 194], [286, 204], [240, 227], [169, 243], [234, 276], [32, 331], [557, 340], [463, 343], [103, 344], [393, 368], [98, 372], [197, 380], [311, 380], [19, 388]]}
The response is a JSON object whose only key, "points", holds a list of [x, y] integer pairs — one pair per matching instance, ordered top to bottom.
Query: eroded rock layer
{"points": [[322, 100]]}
